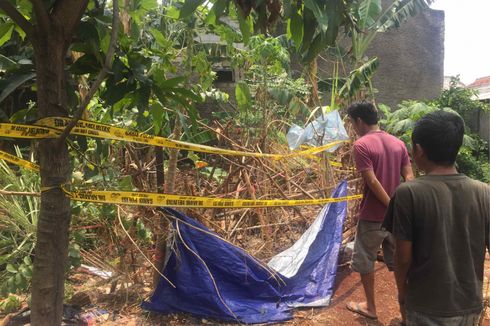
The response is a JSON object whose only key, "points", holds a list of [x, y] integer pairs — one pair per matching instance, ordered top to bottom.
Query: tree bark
{"points": [[126, 18], [314, 99], [177, 133], [173, 158], [51, 251]]}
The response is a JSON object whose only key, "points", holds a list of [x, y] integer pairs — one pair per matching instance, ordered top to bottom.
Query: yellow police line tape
{"points": [[52, 127], [19, 161], [34, 167], [152, 199]]}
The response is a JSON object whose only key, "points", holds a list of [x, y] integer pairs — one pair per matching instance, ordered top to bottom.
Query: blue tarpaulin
{"points": [[215, 279]]}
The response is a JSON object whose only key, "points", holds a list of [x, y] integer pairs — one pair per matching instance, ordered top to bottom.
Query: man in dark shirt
{"points": [[381, 159], [441, 225]]}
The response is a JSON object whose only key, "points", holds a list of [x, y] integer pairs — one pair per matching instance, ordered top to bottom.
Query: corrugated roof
{"points": [[482, 81]]}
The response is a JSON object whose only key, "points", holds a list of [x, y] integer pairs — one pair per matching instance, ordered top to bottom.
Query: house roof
{"points": [[479, 82]]}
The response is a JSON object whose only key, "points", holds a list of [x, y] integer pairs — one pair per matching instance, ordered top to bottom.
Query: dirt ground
{"points": [[348, 288], [123, 307]]}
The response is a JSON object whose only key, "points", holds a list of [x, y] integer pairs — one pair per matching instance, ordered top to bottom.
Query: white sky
{"points": [[467, 38]]}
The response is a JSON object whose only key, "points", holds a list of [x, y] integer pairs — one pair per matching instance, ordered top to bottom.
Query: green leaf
{"points": [[148, 4], [189, 7], [369, 10], [216, 11], [400, 11], [172, 12], [320, 13], [336, 17], [246, 27], [295, 28], [309, 29], [6, 30], [21, 32], [87, 33], [159, 38], [316, 46], [6, 63], [86, 64], [359, 78], [170, 82], [13, 83], [116, 92], [188, 94], [283, 96], [243, 97], [385, 109], [157, 113], [403, 126], [202, 137], [469, 142], [125, 183], [142, 231], [74, 251], [27, 260], [11, 269], [25, 272], [20, 280], [11, 285]]}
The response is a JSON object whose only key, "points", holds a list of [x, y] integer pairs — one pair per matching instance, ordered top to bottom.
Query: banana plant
{"points": [[370, 18], [313, 25]]}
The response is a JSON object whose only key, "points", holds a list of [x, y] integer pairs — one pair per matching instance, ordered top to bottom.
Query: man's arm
{"points": [[407, 172], [375, 186], [403, 260]]}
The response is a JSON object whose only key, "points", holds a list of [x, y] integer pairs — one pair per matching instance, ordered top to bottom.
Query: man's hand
{"points": [[375, 186]]}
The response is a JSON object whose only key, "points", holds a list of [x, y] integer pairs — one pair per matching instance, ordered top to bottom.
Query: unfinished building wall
{"points": [[411, 59], [411, 62]]}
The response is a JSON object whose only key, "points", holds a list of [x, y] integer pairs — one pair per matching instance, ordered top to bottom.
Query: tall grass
{"points": [[18, 220]]}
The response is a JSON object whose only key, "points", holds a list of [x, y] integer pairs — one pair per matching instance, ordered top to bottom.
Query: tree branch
{"points": [[69, 13], [41, 15], [16, 16], [100, 78], [19, 193]]}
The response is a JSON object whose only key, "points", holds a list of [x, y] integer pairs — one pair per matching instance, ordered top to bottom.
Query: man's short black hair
{"points": [[365, 111], [440, 134]]}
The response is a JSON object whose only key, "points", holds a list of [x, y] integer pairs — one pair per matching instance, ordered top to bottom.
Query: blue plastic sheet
{"points": [[310, 265], [215, 279]]}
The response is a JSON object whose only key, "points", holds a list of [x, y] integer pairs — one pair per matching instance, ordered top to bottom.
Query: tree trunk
{"points": [[126, 18], [314, 99], [174, 153], [173, 158], [159, 166], [160, 242], [51, 251]]}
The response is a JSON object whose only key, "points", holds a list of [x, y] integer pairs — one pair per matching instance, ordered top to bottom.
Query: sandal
{"points": [[355, 307]]}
